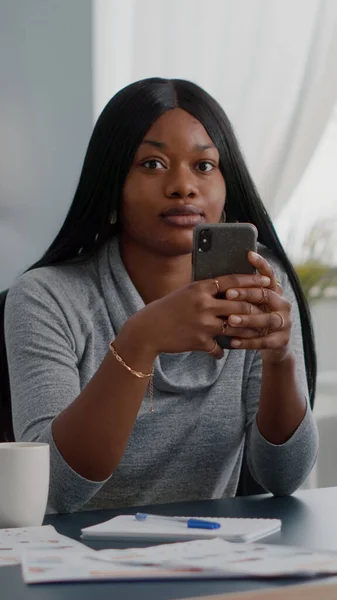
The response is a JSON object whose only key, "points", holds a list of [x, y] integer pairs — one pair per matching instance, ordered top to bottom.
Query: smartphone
{"points": [[222, 249]]}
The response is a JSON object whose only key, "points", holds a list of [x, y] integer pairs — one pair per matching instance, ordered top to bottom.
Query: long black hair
{"points": [[117, 134]]}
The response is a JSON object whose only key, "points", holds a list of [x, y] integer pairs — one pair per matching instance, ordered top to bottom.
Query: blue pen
{"points": [[190, 522]]}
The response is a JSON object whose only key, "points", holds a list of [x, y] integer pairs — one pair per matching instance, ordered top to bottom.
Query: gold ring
{"points": [[277, 284], [217, 285], [264, 298], [224, 325], [281, 325], [214, 347]]}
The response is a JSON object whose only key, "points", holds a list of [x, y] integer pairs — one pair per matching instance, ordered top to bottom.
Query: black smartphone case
{"points": [[228, 254]]}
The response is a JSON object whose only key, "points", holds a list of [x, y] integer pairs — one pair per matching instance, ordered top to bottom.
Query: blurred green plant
{"points": [[315, 278]]}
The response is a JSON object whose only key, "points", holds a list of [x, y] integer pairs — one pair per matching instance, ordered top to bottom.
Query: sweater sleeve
{"points": [[44, 379], [281, 469]]}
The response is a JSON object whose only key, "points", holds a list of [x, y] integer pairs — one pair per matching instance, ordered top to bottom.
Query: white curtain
{"points": [[271, 64]]}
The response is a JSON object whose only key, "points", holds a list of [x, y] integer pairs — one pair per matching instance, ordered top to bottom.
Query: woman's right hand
{"points": [[189, 318]]}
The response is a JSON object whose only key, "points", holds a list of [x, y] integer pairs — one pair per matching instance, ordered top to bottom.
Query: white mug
{"points": [[24, 483]]}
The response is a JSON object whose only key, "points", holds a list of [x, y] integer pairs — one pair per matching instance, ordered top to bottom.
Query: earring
{"points": [[113, 217]]}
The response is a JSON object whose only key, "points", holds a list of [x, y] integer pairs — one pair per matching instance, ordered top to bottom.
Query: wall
{"points": [[45, 121], [325, 324], [325, 411]]}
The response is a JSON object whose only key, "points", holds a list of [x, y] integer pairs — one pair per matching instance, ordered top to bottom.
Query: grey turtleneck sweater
{"points": [[58, 324]]}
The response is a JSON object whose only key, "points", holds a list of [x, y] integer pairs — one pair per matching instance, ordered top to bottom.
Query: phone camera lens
{"points": [[205, 239]]}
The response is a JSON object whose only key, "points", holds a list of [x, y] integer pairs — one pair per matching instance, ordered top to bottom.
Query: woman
{"points": [[162, 158]]}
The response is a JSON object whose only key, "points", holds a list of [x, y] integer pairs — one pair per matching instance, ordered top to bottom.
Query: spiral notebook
{"points": [[125, 527]]}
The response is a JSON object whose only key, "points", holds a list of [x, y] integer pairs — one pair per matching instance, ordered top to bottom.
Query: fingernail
{"points": [[254, 255], [265, 280], [232, 294], [235, 320], [236, 343]]}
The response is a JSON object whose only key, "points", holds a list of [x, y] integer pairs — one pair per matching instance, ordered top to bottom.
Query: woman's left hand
{"points": [[270, 326]]}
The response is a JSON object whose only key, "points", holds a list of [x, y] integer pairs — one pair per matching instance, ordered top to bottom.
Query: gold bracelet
{"points": [[138, 374]]}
